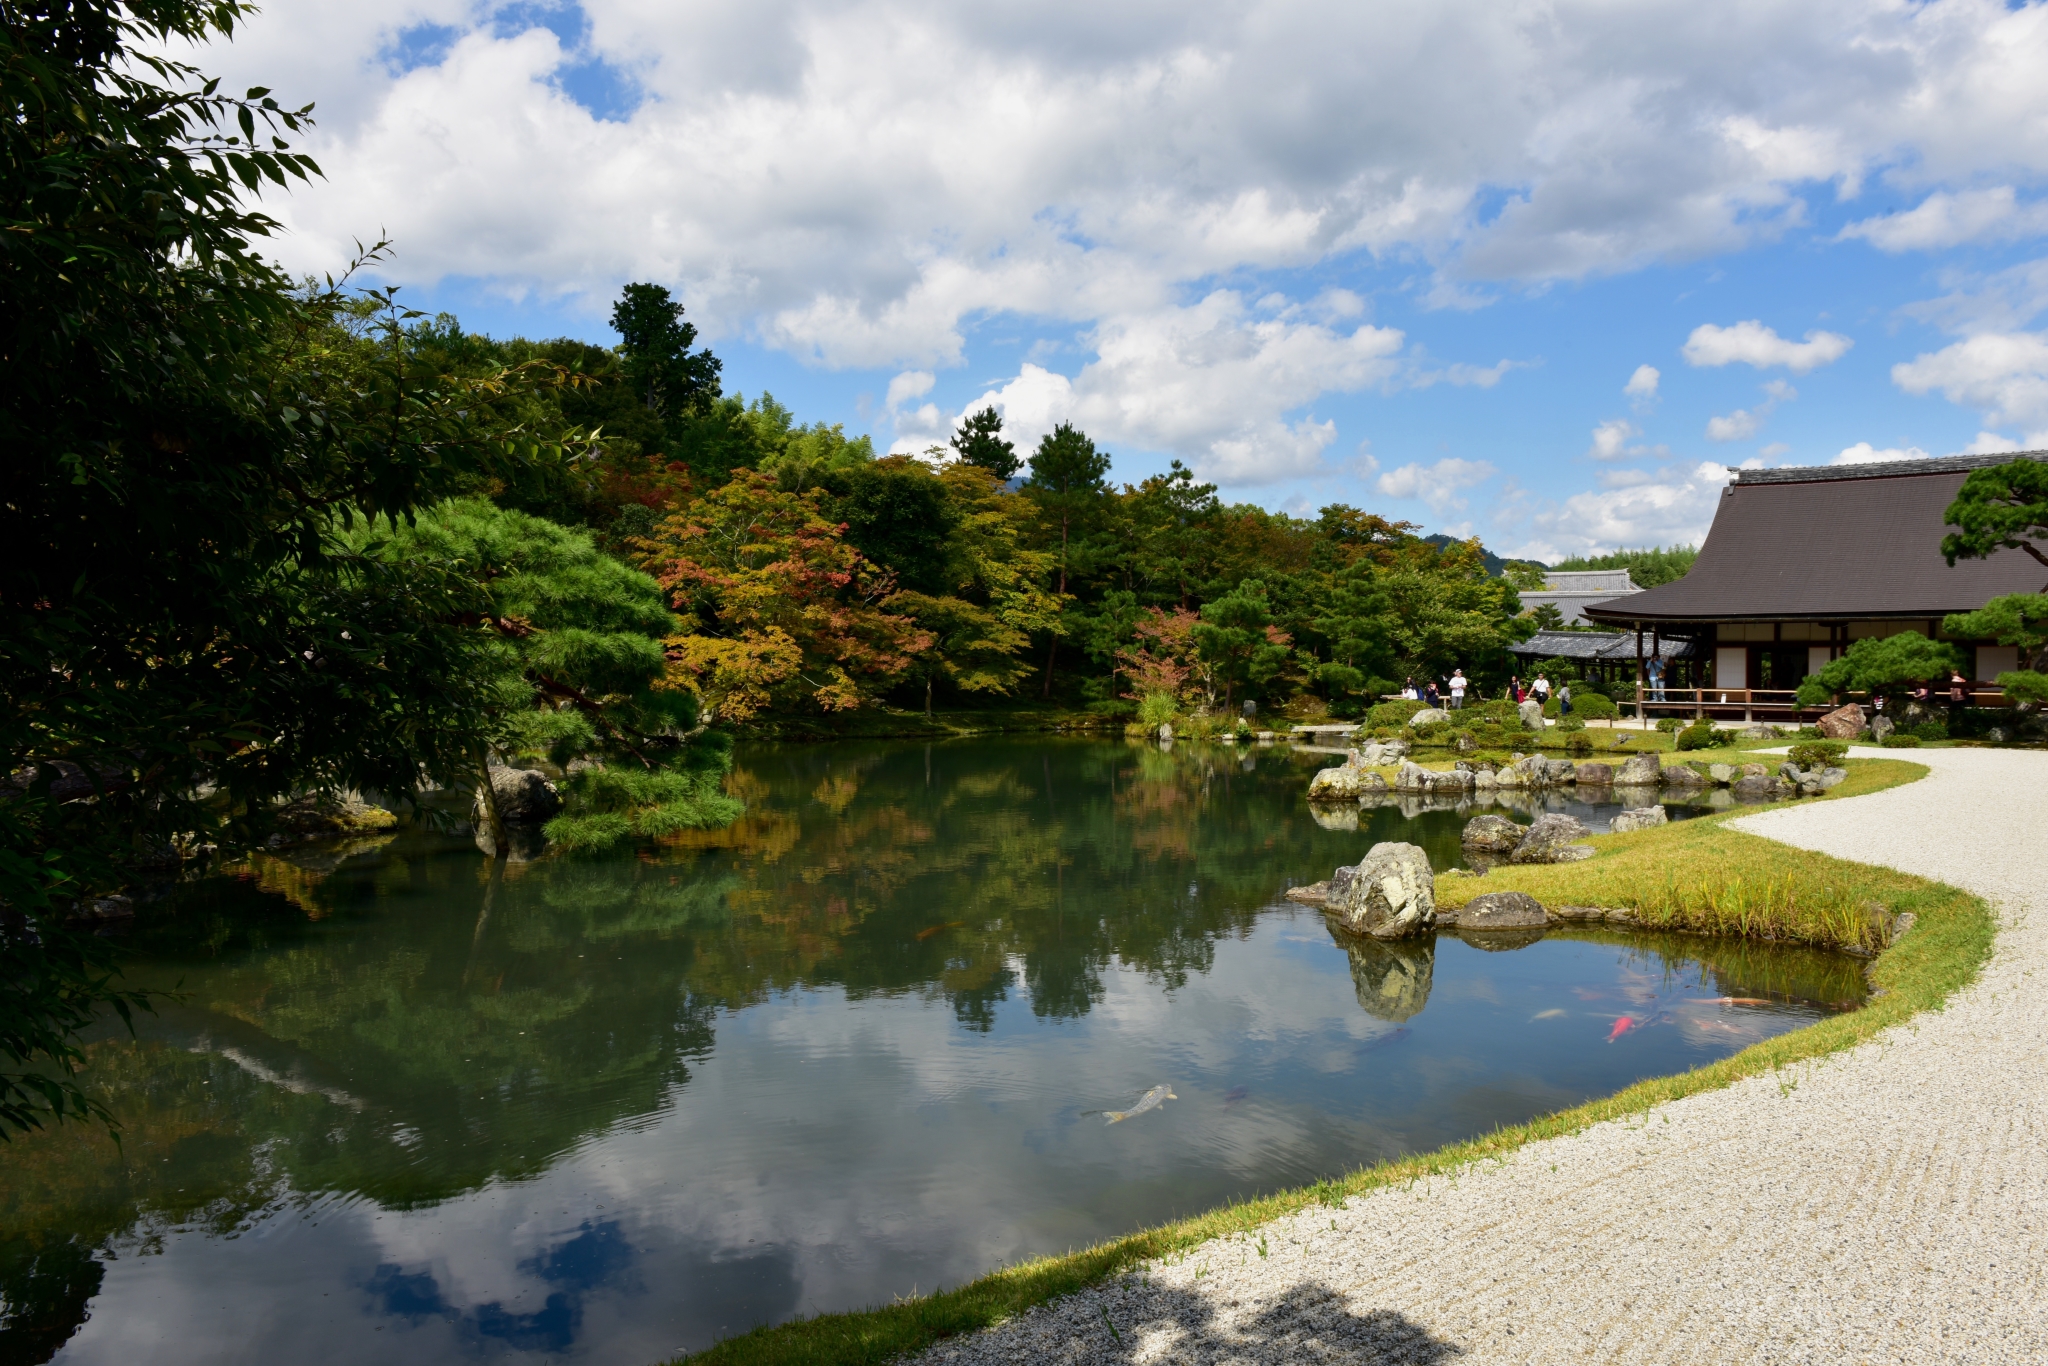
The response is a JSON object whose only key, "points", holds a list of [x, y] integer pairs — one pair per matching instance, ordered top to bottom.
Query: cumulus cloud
{"points": [[770, 160], [1946, 220], [2004, 301], [1751, 343], [2005, 374], [1642, 386], [1744, 423], [1610, 439], [1863, 453], [1438, 485], [1668, 509]]}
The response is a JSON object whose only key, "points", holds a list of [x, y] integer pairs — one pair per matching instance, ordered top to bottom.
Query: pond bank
{"points": [[1759, 1202]]}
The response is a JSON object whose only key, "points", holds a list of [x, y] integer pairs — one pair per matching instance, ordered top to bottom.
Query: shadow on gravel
{"points": [[1309, 1323]]}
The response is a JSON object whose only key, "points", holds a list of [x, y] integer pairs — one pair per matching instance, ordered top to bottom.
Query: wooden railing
{"points": [[1774, 702]]}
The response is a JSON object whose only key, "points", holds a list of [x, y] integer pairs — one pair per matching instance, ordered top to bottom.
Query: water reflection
{"points": [[415, 1104]]}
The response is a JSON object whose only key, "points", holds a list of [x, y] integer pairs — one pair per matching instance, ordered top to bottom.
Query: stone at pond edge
{"points": [[1843, 723], [1638, 770], [1721, 773], [1595, 775], [1685, 777], [1343, 783], [1754, 789], [524, 797], [1640, 818], [1492, 834], [1549, 840], [1316, 894], [1390, 895], [1501, 911]]}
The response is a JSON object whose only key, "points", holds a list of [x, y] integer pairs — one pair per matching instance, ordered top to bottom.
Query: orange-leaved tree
{"points": [[779, 610]]}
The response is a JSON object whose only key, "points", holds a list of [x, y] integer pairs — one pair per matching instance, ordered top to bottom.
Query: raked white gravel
{"points": [[1884, 1204]]}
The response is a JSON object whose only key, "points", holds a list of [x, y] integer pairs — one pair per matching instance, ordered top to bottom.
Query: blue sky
{"points": [[1410, 258]]}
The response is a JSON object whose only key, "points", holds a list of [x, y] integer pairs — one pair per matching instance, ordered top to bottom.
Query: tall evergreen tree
{"points": [[655, 341], [980, 442]]}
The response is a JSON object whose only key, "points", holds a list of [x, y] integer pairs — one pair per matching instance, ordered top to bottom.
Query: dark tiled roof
{"points": [[1849, 541], [1606, 645]]}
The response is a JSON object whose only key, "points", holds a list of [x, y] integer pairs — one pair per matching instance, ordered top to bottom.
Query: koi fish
{"points": [[931, 930], [1738, 1001], [1548, 1015], [1621, 1027], [1390, 1037], [1235, 1094], [1151, 1100]]}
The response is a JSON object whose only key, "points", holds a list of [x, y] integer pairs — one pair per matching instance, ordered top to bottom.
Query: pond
{"points": [[413, 1105]]}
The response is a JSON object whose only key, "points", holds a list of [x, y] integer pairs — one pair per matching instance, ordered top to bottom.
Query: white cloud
{"points": [[1093, 161], [1946, 220], [2004, 301], [1751, 343], [2005, 374], [910, 384], [1642, 386], [1739, 425], [1610, 439], [1989, 443], [1774, 450], [1863, 453], [1438, 485], [1675, 508]]}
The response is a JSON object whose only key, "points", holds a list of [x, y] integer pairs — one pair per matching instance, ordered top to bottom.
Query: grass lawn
{"points": [[1718, 878]]}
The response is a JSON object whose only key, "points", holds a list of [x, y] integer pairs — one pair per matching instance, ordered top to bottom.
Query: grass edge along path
{"points": [[1950, 940]]}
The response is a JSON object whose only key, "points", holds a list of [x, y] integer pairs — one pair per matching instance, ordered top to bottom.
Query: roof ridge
{"points": [[1883, 469]]}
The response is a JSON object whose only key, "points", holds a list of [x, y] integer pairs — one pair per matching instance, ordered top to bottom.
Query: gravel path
{"points": [[1884, 1204]]}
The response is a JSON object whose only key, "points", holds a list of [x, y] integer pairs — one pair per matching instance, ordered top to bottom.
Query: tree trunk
{"points": [[1051, 651], [927, 697]]}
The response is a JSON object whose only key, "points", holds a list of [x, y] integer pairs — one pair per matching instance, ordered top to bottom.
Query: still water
{"points": [[414, 1106]]}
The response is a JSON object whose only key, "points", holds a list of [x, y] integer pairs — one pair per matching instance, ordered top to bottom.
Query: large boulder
{"points": [[1531, 713], [1428, 716], [1843, 723], [1881, 728], [1380, 752], [1638, 770], [1722, 773], [1595, 775], [1829, 777], [1685, 778], [1340, 784], [1754, 789], [523, 797], [1639, 818], [1492, 834], [1550, 840], [1391, 894], [1501, 911]]}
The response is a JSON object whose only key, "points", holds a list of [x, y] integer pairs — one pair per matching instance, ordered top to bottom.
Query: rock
{"points": [[1531, 713], [1428, 716], [1843, 723], [1881, 728], [1759, 731], [1165, 732], [1467, 745], [1638, 770], [1756, 771], [1722, 774], [1595, 775], [1513, 776], [1829, 777], [1412, 778], [1685, 778], [1484, 780], [1340, 784], [1754, 788], [524, 797], [1639, 818], [1492, 834], [1549, 840], [1316, 894], [1390, 895], [1501, 911], [1391, 980]]}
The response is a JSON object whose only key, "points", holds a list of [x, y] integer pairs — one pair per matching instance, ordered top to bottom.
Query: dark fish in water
{"points": [[931, 930], [1383, 1040], [1235, 1094], [1151, 1100]]}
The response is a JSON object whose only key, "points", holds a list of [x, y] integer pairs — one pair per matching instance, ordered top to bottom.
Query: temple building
{"points": [[1802, 562], [1573, 591]]}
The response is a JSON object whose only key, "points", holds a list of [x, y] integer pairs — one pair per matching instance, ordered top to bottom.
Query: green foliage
{"points": [[655, 341], [980, 442], [2002, 507], [1647, 568], [2019, 619], [1236, 637], [1878, 664], [2024, 685], [1593, 706], [1157, 709], [1394, 713], [1670, 724], [1931, 730], [1699, 735], [1901, 740], [1578, 741], [1817, 753], [608, 806]]}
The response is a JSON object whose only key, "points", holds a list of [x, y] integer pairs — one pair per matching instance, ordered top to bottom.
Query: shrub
{"points": [[1593, 706], [1157, 709], [1395, 713], [1571, 723], [1668, 724], [1931, 730], [1434, 733], [1699, 735], [1901, 740], [1578, 742], [1818, 753]]}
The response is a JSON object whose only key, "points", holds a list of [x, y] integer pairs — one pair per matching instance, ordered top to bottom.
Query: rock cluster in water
{"points": [[1354, 780]]}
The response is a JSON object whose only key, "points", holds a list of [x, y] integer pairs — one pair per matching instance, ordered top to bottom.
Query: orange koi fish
{"points": [[931, 930], [1738, 1001], [1621, 1027]]}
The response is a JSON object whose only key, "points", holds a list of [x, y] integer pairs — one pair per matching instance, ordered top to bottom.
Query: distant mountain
{"points": [[1495, 565]]}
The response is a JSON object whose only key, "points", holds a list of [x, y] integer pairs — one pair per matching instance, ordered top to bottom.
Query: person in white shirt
{"points": [[1541, 688], [1457, 689]]}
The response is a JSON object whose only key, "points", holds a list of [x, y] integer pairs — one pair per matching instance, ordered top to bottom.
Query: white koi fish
{"points": [[1151, 1100]]}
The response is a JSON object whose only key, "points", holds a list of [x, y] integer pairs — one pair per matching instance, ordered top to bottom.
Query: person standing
{"points": [[1656, 680], [1457, 689], [1540, 689], [1429, 694], [1515, 694], [1958, 697], [1564, 700]]}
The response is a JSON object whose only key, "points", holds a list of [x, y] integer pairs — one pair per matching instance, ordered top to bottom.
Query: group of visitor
{"points": [[1451, 694]]}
